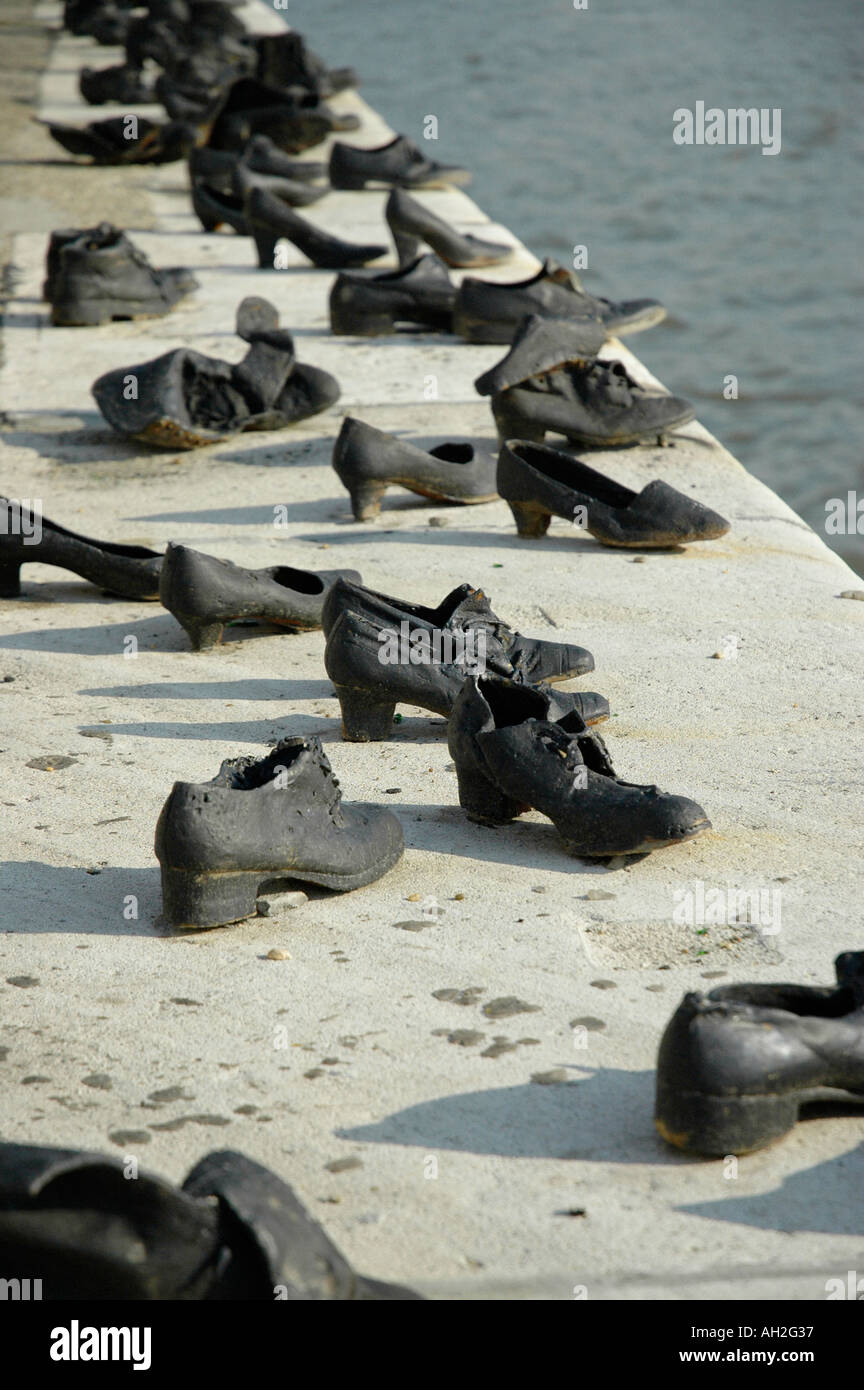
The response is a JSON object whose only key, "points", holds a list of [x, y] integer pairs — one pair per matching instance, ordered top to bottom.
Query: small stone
{"points": [[439, 521], [638, 560], [847, 593], [52, 762], [392, 791], [597, 895], [458, 897], [413, 898], [268, 907], [414, 926], [277, 954], [713, 974], [23, 981], [605, 984], [464, 997], [193, 1003], [508, 1005], [589, 1023], [465, 1037], [498, 1048], [329, 1061], [314, 1073], [550, 1078], [33, 1080], [100, 1081], [344, 1165]]}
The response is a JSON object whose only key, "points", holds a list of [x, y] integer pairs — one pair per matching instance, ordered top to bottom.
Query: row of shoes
{"points": [[734, 1068]]}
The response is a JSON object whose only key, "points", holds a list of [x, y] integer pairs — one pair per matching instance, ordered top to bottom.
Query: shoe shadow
{"points": [[157, 633], [247, 689], [111, 902], [604, 1117], [823, 1198]]}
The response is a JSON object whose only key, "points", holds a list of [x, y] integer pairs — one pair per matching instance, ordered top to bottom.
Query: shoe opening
{"points": [[453, 453], [301, 581], [511, 703], [247, 774]]}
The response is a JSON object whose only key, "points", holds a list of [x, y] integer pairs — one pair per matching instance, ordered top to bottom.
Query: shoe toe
{"points": [[632, 315], [673, 819]]}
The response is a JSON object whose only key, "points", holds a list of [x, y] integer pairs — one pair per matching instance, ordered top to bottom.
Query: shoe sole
{"points": [[91, 315], [201, 901], [716, 1126]]}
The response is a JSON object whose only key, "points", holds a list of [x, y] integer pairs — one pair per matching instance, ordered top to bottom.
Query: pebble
{"points": [[438, 521], [847, 593], [52, 762], [597, 895], [413, 898], [268, 907], [414, 926], [277, 954], [23, 981], [604, 984], [458, 996], [507, 1006], [589, 1023], [465, 1037], [314, 1073], [550, 1078], [100, 1081], [343, 1165]]}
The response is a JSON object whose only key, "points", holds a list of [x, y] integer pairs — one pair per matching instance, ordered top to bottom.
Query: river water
{"points": [[566, 117]]}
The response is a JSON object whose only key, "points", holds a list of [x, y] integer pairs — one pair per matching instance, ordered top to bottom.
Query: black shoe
{"points": [[284, 60], [123, 84], [293, 122], [105, 141], [263, 157], [398, 164], [223, 170], [270, 219], [412, 224], [97, 274], [369, 305], [490, 312], [547, 381], [185, 399], [368, 461], [539, 482], [130, 571], [204, 594], [466, 608], [378, 656], [514, 753], [262, 820], [735, 1065], [72, 1222]]}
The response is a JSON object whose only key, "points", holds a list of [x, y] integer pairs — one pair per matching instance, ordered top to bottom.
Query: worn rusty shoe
{"points": [[398, 164], [270, 219], [413, 225], [97, 274], [367, 304], [487, 311], [183, 399], [368, 461], [539, 482], [26, 537], [206, 594], [513, 753], [261, 821], [736, 1065], [73, 1225]]}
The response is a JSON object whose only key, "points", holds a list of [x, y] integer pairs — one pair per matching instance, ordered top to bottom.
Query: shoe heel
{"points": [[265, 245], [407, 247], [81, 315], [354, 324], [511, 424], [366, 500], [531, 520], [10, 579], [202, 634], [365, 719], [482, 801], [199, 900], [721, 1125]]}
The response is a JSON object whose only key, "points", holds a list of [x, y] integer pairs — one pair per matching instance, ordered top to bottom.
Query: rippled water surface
{"points": [[565, 116]]}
